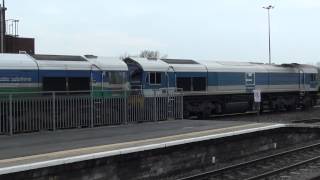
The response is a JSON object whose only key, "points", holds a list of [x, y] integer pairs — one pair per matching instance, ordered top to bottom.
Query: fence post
{"points": [[181, 96], [154, 105], [170, 107], [91, 110], [54, 111], [10, 115], [125, 120]]}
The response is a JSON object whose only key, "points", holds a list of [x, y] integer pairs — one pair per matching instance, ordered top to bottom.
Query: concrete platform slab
{"points": [[26, 152]]}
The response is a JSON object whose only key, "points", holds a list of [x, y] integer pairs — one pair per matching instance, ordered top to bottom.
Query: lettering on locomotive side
{"points": [[15, 79]]}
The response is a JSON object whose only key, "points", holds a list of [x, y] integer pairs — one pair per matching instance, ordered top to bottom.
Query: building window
{"points": [[154, 78]]}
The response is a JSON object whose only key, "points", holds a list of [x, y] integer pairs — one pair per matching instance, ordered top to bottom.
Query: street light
{"points": [[269, 8]]}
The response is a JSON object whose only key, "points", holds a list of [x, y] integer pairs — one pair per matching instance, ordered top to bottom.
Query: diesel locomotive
{"points": [[209, 87]]}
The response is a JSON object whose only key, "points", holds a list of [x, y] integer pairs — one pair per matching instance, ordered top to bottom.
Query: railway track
{"points": [[308, 121], [292, 164]]}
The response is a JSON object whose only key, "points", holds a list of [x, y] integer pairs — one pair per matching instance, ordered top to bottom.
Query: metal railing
{"points": [[32, 112]]}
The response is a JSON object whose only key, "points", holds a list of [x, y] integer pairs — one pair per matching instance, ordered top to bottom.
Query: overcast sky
{"points": [[199, 29]]}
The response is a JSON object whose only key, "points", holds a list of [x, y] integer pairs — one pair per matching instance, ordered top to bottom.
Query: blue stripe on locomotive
{"points": [[10, 76], [35, 76], [226, 78], [262, 78], [277, 78], [284, 78], [230, 79]]}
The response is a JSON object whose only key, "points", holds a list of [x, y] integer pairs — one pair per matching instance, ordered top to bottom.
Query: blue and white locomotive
{"points": [[38, 73], [209, 87], [226, 87]]}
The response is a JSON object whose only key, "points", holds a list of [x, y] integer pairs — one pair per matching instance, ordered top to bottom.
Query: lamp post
{"points": [[269, 29]]}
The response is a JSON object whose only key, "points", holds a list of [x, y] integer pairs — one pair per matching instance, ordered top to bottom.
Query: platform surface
{"points": [[30, 151]]}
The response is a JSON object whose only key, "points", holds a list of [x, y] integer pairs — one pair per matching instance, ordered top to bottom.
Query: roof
{"points": [[45, 57], [17, 61], [179, 61], [62, 62], [108, 63], [151, 65], [183, 65], [225, 66], [229, 66], [274, 68], [308, 68]]}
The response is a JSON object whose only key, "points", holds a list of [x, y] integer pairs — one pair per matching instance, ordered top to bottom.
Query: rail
{"points": [[41, 111], [266, 173]]}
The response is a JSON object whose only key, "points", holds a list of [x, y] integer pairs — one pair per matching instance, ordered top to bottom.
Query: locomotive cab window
{"points": [[117, 77], [155, 78]]}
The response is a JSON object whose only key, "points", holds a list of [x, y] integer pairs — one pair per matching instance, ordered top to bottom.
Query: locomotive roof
{"points": [[57, 57], [17, 61], [179, 61], [62, 62], [108, 63], [153, 65], [184, 65], [228, 66], [308, 68]]}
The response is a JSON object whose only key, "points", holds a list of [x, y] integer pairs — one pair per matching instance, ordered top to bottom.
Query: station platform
{"points": [[32, 151]]}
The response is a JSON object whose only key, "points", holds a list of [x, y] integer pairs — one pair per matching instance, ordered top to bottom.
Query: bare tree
{"points": [[149, 54], [125, 55], [165, 56]]}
